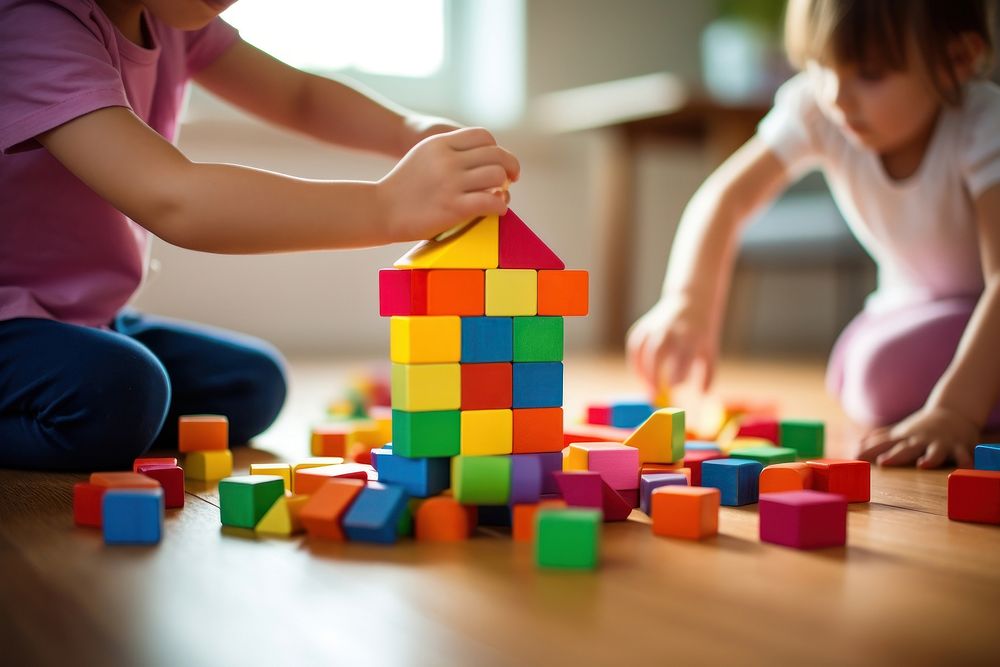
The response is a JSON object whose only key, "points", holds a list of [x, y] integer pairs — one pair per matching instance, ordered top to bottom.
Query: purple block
{"points": [[551, 463], [525, 478], [654, 481], [581, 489], [803, 519]]}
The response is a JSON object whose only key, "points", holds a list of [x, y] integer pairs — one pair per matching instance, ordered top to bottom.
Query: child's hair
{"points": [[882, 33]]}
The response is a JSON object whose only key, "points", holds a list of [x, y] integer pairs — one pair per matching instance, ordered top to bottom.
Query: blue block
{"points": [[487, 339], [538, 385], [629, 414], [701, 445], [380, 451], [987, 457], [421, 478], [736, 479], [654, 481], [132, 516], [374, 516]]}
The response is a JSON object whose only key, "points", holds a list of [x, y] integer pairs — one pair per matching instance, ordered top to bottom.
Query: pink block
{"points": [[520, 248], [402, 292], [599, 415], [760, 427], [617, 464], [580, 489], [615, 506], [803, 519]]}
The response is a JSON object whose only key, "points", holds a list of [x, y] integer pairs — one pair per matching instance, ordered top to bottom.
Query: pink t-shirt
{"points": [[65, 253]]}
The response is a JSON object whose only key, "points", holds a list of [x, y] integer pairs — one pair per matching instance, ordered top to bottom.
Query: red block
{"points": [[520, 248], [402, 292], [456, 292], [563, 293], [486, 386], [599, 415], [760, 427], [537, 430], [592, 433], [693, 460], [164, 461], [171, 478], [851, 479], [581, 489], [974, 495], [631, 496], [87, 499], [615, 506], [803, 519]]}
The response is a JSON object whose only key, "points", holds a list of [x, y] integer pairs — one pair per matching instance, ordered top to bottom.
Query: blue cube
{"points": [[487, 339], [538, 385], [630, 414], [987, 457], [420, 477], [736, 479], [654, 481], [375, 514], [132, 516]]}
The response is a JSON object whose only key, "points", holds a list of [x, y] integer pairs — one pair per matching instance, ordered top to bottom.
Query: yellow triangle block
{"points": [[477, 246], [660, 439], [282, 519]]}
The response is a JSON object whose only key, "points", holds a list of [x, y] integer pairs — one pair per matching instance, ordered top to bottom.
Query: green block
{"points": [[538, 339], [426, 434], [804, 436], [765, 455], [481, 480], [244, 500], [404, 527], [568, 538]]}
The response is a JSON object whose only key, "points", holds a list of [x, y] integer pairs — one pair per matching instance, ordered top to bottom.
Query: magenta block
{"points": [[402, 292], [599, 415], [760, 427], [619, 466], [525, 478], [580, 489], [614, 505], [803, 519]]}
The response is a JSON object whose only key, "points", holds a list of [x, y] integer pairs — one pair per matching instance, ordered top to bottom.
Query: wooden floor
{"points": [[911, 588]]}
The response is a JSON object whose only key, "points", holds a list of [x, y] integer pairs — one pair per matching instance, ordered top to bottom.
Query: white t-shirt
{"points": [[921, 231]]}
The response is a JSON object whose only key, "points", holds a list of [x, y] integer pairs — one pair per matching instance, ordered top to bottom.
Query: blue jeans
{"points": [[77, 398]]}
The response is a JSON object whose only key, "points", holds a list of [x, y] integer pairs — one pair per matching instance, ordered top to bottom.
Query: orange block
{"points": [[456, 292], [562, 292], [537, 430], [200, 433], [330, 439], [656, 468], [785, 477], [123, 480], [309, 480], [689, 512], [321, 515], [523, 518], [444, 519]]}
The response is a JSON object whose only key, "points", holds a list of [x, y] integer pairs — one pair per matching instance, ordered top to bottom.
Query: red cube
{"points": [[402, 292], [487, 386], [599, 415], [760, 427], [171, 478], [851, 479], [974, 495], [87, 499], [803, 519]]}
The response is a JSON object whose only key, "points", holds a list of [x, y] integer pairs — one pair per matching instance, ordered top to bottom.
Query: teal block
{"points": [[538, 339], [426, 434], [804, 436], [765, 455], [481, 480], [244, 500], [568, 538]]}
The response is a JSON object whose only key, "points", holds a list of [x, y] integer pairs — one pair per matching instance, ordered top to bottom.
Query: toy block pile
{"points": [[358, 421], [974, 495]]}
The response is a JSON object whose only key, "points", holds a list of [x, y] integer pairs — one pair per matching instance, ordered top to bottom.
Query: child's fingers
{"points": [[469, 138], [491, 155], [483, 178], [472, 204], [635, 343], [709, 362], [874, 444], [903, 454], [936, 455], [963, 459]]}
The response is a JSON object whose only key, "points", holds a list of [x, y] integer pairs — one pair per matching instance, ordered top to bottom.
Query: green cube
{"points": [[538, 339], [426, 434], [805, 437], [765, 455], [481, 480], [244, 500], [568, 538]]}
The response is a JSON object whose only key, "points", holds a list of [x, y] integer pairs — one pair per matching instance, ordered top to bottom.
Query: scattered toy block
{"points": [[474, 246], [520, 248], [402, 292], [456, 292], [511, 292], [563, 293], [538, 338], [425, 340], [487, 340], [538, 385], [486, 386], [425, 387], [731, 411], [630, 414], [599, 415], [381, 416], [767, 428], [537, 430], [486, 432], [200, 433], [594, 433], [426, 434], [804, 436], [330, 439], [660, 439], [701, 446], [730, 446], [765, 455], [695, 457], [987, 457], [157, 461], [313, 462], [617, 464], [208, 466], [661, 468], [282, 470], [785, 477], [171, 478], [420, 478], [849, 478], [525, 479], [736, 479], [123, 480], [308, 480], [481, 480], [649, 483], [580, 488], [974, 495], [631, 496], [244, 500], [87, 504], [614, 506], [687, 512], [322, 513], [132, 515], [374, 515], [523, 518], [283, 519], [444, 519], [803, 519], [567, 538]]}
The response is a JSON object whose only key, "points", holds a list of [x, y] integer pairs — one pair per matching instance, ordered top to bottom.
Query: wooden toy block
{"points": [[475, 246], [520, 248], [402, 292], [456, 292], [511, 292], [563, 293], [487, 339], [538, 339], [425, 340], [538, 385], [486, 386], [425, 387], [732, 411], [630, 414], [599, 415], [381, 416], [760, 427], [537, 430], [486, 432], [199, 433], [365, 433], [593, 433], [426, 434], [805, 437], [660, 439], [735, 444], [701, 446], [379, 454], [765, 455], [987, 457], [694, 458], [156, 461], [314, 462], [551, 463], [617, 464], [208, 466], [661, 468], [282, 470], [785, 477], [171, 478], [421, 478], [525, 479], [736, 479], [851, 479], [123, 480], [308, 480], [481, 480], [649, 483], [580, 488], [974, 495], [87, 499], [244, 500], [614, 506], [687, 512], [322, 513], [374, 515], [132, 516], [523, 518], [283, 519], [443, 519], [803, 519], [567, 538]]}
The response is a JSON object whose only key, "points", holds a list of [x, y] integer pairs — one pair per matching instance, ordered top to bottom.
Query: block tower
{"points": [[476, 343]]}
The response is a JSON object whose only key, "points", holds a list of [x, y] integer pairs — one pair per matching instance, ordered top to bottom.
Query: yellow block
{"points": [[477, 246], [511, 292], [425, 340], [422, 387], [382, 416], [487, 432], [366, 434], [660, 439], [744, 443], [209, 466], [282, 470], [282, 519]]}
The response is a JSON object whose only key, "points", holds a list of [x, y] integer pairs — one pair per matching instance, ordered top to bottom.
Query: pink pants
{"points": [[883, 367]]}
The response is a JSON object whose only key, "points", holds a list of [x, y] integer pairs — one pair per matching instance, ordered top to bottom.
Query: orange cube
{"points": [[456, 292], [562, 292], [537, 430], [201, 433], [330, 439], [785, 477], [123, 480], [309, 480], [689, 512], [321, 515], [523, 518], [444, 519]]}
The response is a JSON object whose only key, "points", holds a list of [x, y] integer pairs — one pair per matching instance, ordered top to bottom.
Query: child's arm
{"points": [[683, 326], [949, 424]]}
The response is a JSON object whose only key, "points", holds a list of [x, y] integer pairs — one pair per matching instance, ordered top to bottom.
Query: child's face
{"points": [[186, 14]]}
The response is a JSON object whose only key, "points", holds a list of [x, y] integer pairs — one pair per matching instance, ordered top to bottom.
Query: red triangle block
{"points": [[520, 248], [615, 507]]}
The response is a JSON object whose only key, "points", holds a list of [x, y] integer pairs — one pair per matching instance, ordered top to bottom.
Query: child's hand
{"points": [[419, 127], [444, 180], [665, 342], [928, 437]]}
